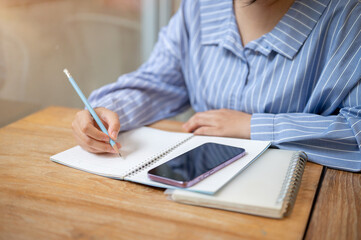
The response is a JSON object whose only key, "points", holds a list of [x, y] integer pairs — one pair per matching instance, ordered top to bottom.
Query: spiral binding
{"points": [[150, 161], [292, 180]]}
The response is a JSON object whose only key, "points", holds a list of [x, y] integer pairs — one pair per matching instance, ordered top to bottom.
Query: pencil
{"points": [[91, 110]]}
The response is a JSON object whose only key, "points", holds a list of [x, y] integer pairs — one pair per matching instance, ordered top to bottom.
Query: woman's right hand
{"points": [[88, 134]]}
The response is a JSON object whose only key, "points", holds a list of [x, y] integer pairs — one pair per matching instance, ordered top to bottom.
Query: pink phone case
{"points": [[183, 184]]}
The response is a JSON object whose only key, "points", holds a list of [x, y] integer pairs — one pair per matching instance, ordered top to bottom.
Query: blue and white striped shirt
{"points": [[301, 82]]}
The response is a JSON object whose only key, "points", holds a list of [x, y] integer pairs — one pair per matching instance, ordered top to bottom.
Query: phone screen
{"points": [[198, 162]]}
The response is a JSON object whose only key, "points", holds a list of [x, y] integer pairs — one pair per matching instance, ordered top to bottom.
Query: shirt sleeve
{"points": [[157, 89], [329, 127], [333, 141]]}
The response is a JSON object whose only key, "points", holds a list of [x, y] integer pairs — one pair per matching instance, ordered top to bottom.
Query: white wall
{"points": [[96, 40]]}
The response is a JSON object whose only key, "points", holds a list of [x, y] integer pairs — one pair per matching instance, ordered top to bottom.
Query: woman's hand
{"points": [[222, 123], [89, 136]]}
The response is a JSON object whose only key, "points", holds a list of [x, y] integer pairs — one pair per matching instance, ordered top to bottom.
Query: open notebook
{"points": [[145, 148], [267, 188]]}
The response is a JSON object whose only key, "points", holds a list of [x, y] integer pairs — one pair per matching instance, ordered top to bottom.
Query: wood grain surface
{"points": [[40, 199], [337, 213]]}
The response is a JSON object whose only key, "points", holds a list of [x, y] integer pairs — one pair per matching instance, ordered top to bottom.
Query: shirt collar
{"points": [[215, 17], [218, 27], [293, 29]]}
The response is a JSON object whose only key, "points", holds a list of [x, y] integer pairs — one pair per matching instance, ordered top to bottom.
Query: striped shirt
{"points": [[301, 82]]}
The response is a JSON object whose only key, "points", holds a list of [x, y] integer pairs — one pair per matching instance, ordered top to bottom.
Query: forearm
{"points": [[139, 102], [334, 141]]}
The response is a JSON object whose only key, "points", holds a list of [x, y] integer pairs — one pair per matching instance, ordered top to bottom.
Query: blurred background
{"points": [[97, 40]]}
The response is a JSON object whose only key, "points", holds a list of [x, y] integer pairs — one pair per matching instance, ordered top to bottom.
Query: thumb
{"points": [[112, 120], [113, 127], [113, 132]]}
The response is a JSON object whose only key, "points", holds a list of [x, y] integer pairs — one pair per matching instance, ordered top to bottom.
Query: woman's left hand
{"points": [[221, 123]]}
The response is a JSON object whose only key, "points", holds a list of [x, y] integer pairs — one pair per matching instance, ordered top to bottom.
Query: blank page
{"points": [[138, 146]]}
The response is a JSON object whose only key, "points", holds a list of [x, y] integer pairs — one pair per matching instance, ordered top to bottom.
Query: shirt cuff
{"points": [[262, 126]]}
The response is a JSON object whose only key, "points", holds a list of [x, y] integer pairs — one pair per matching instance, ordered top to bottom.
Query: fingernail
{"points": [[114, 135]]}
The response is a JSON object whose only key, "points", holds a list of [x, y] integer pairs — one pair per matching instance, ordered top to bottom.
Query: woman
{"points": [[278, 70]]}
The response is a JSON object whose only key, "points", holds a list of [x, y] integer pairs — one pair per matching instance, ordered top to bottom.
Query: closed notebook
{"points": [[145, 148], [267, 188]]}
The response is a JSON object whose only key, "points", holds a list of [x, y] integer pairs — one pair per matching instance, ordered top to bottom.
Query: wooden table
{"points": [[40, 199], [337, 212]]}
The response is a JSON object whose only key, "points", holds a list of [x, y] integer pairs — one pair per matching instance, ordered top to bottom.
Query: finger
{"points": [[198, 120], [112, 121], [84, 123], [81, 125], [87, 126], [91, 130], [208, 131], [84, 140], [93, 145], [89, 149], [92, 150]]}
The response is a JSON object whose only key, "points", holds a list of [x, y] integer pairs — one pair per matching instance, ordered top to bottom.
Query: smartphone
{"points": [[193, 166]]}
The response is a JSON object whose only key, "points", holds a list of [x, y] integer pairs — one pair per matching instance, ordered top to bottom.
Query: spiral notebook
{"points": [[145, 148], [267, 188]]}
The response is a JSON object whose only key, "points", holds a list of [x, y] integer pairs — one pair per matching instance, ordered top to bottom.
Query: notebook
{"points": [[145, 148], [267, 188]]}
